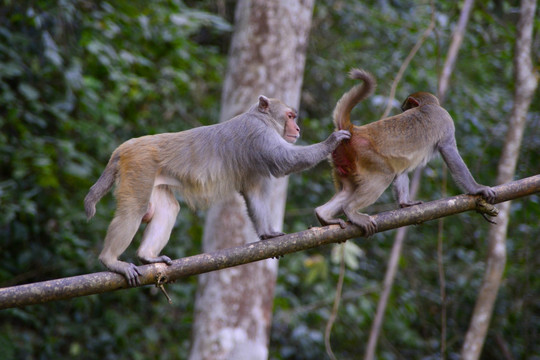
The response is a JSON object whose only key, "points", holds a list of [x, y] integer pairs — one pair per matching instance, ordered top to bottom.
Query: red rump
{"points": [[342, 161]]}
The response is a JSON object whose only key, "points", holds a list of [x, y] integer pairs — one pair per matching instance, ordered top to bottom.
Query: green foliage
{"points": [[377, 36], [78, 78]]}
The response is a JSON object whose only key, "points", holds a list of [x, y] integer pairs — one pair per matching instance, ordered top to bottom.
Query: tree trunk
{"points": [[526, 81], [233, 308]]}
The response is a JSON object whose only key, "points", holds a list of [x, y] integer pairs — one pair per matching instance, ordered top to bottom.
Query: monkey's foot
{"points": [[409, 204], [324, 222], [365, 222], [273, 234], [152, 260], [128, 270], [132, 275]]}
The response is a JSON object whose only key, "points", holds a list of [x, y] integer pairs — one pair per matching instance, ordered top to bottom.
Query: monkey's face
{"points": [[292, 130]]}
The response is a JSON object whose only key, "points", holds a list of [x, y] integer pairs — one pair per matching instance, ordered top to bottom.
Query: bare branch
{"points": [[457, 39], [408, 60], [101, 282]]}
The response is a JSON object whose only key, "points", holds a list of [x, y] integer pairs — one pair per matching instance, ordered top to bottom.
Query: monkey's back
{"points": [[410, 139], [203, 164]]}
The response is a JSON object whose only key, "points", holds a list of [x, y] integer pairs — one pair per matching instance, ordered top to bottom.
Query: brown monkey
{"points": [[386, 150], [205, 164]]}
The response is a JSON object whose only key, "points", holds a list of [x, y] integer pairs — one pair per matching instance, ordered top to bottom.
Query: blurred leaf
{"points": [[352, 254]]}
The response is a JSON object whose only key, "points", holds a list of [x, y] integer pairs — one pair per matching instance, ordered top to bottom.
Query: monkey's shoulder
{"points": [[433, 112]]}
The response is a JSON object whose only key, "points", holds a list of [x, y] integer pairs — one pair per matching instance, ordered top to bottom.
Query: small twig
{"points": [[407, 61], [160, 281]]}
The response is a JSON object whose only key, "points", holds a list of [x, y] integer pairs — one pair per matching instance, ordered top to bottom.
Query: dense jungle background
{"points": [[77, 78]]}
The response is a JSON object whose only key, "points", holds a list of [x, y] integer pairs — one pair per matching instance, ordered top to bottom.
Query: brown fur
{"points": [[384, 151]]}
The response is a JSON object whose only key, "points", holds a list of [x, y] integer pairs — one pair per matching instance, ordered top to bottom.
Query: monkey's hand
{"points": [[337, 137], [486, 192], [409, 204], [273, 234]]}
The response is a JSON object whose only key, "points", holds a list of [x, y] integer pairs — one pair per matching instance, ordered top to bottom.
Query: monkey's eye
{"points": [[291, 115]]}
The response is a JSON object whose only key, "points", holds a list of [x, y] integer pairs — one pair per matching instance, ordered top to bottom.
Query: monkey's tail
{"points": [[342, 112], [101, 187]]}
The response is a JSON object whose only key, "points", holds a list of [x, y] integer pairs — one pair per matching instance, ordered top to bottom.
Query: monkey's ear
{"points": [[410, 103], [264, 104]]}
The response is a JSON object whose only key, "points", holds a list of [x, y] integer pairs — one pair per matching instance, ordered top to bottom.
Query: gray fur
{"points": [[384, 151], [204, 165]]}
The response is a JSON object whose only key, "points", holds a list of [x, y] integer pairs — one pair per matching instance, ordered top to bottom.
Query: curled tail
{"points": [[342, 112], [101, 187]]}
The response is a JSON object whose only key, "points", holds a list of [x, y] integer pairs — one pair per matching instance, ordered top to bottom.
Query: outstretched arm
{"points": [[284, 159], [461, 173]]}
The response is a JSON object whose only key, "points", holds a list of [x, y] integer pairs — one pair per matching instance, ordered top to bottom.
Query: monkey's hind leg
{"points": [[368, 190], [132, 196], [258, 205], [326, 214], [363, 221], [157, 232], [119, 235]]}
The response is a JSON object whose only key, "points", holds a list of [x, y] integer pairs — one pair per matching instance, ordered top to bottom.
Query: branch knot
{"points": [[160, 281]]}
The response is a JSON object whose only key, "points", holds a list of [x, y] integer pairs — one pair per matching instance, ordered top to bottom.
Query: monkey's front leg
{"points": [[461, 174], [258, 205]]}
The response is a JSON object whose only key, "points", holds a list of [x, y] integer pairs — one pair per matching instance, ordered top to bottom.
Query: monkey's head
{"points": [[418, 99], [283, 115]]}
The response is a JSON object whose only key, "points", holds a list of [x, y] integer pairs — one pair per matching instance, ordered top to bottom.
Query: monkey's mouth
{"points": [[294, 137]]}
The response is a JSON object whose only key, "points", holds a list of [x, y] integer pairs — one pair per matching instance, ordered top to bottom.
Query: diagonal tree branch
{"points": [[101, 282]]}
